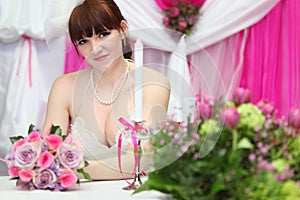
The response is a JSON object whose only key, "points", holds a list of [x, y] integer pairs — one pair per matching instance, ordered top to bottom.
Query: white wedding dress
{"points": [[86, 127]]}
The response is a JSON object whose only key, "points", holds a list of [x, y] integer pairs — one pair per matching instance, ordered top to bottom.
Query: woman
{"points": [[92, 100]]}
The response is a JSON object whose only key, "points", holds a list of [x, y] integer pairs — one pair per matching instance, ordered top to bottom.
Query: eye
{"points": [[103, 34], [81, 42]]}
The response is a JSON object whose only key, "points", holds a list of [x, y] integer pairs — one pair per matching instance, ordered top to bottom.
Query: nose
{"points": [[96, 46]]}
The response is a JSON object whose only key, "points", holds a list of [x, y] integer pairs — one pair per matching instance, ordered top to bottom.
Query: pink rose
{"points": [[174, 12], [182, 25], [230, 117], [294, 118], [33, 136], [54, 141], [19, 143], [26, 156], [70, 156], [45, 160], [13, 171], [26, 175], [67, 178], [44, 179]]}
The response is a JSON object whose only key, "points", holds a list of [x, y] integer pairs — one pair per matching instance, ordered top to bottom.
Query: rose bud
{"points": [[182, 25], [241, 95], [205, 111], [230, 117], [294, 118]]}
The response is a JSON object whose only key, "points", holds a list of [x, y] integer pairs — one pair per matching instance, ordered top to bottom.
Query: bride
{"points": [[92, 100]]}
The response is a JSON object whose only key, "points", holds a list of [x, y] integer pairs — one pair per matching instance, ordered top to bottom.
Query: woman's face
{"points": [[101, 49]]}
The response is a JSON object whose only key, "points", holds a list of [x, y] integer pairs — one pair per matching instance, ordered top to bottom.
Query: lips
{"points": [[100, 58]]}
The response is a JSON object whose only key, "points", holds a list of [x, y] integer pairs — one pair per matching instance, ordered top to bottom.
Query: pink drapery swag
{"points": [[271, 68]]}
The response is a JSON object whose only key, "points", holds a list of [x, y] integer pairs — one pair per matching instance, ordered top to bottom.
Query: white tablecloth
{"points": [[100, 190]]}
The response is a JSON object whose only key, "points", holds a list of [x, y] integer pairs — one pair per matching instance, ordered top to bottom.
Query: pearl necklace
{"points": [[124, 77]]}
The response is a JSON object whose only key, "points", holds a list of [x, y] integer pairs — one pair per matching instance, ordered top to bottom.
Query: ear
{"points": [[124, 26]]}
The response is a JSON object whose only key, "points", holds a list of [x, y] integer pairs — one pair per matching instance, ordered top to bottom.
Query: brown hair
{"points": [[97, 15]]}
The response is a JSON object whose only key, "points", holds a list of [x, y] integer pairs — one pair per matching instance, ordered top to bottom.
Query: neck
{"points": [[111, 74]]}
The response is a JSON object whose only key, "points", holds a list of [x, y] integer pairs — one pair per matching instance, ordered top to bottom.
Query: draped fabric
{"points": [[19, 19], [272, 57]]}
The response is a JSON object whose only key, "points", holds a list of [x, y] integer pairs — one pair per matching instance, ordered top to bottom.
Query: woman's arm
{"points": [[59, 101]]}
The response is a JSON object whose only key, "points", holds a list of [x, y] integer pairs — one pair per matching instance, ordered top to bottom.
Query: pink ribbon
{"points": [[28, 39], [134, 129]]}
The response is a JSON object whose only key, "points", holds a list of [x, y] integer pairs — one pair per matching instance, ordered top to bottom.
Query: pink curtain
{"points": [[73, 61], [271, 66]]}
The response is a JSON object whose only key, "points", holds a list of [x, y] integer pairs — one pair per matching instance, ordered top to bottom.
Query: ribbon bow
{"points": [[134, 130]]}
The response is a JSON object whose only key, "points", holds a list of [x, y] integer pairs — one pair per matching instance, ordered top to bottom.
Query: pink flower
{"points": [[197, 2], [164, 4], [174, 12], [166, 21], [182, 25], [241, 95], [266, 107], [205, 111], [230, 117], [294, 118], [33, 136], [54, 141], [18, 144], [26, 156], [70, 156], [45, 160], [13, 171], [26, 175], [67, 178], [44, 179]]}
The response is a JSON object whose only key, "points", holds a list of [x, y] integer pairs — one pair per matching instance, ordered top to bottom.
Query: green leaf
{"points": [[30, 129], [56, 130], [63, 137], [15, 138], [245, 143], [86, 163], [85, 174], [14, 178]]}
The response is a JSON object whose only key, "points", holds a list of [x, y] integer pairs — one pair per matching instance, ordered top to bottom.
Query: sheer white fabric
{"points": [[219, 20]]}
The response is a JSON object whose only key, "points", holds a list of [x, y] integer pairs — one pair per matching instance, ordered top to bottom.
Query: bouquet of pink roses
{"points": [[46, 161]]}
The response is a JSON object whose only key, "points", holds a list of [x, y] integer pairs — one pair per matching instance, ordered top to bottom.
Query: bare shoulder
{"points": [[156, 76]]}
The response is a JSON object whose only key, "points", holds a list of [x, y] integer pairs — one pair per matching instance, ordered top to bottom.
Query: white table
{"points": [[100, 190]]}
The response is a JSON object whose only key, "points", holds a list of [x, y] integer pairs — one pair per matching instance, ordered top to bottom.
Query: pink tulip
{"points": [[182, 25], [241, 95], [266, 107], [205, 111], [230, 117], [294, 118], [45, 160], [26, 175], [67, 178]]}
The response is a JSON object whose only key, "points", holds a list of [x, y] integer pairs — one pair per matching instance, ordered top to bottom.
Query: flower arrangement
{"points": [[180, 15], [231, 150], [46, 161]]}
